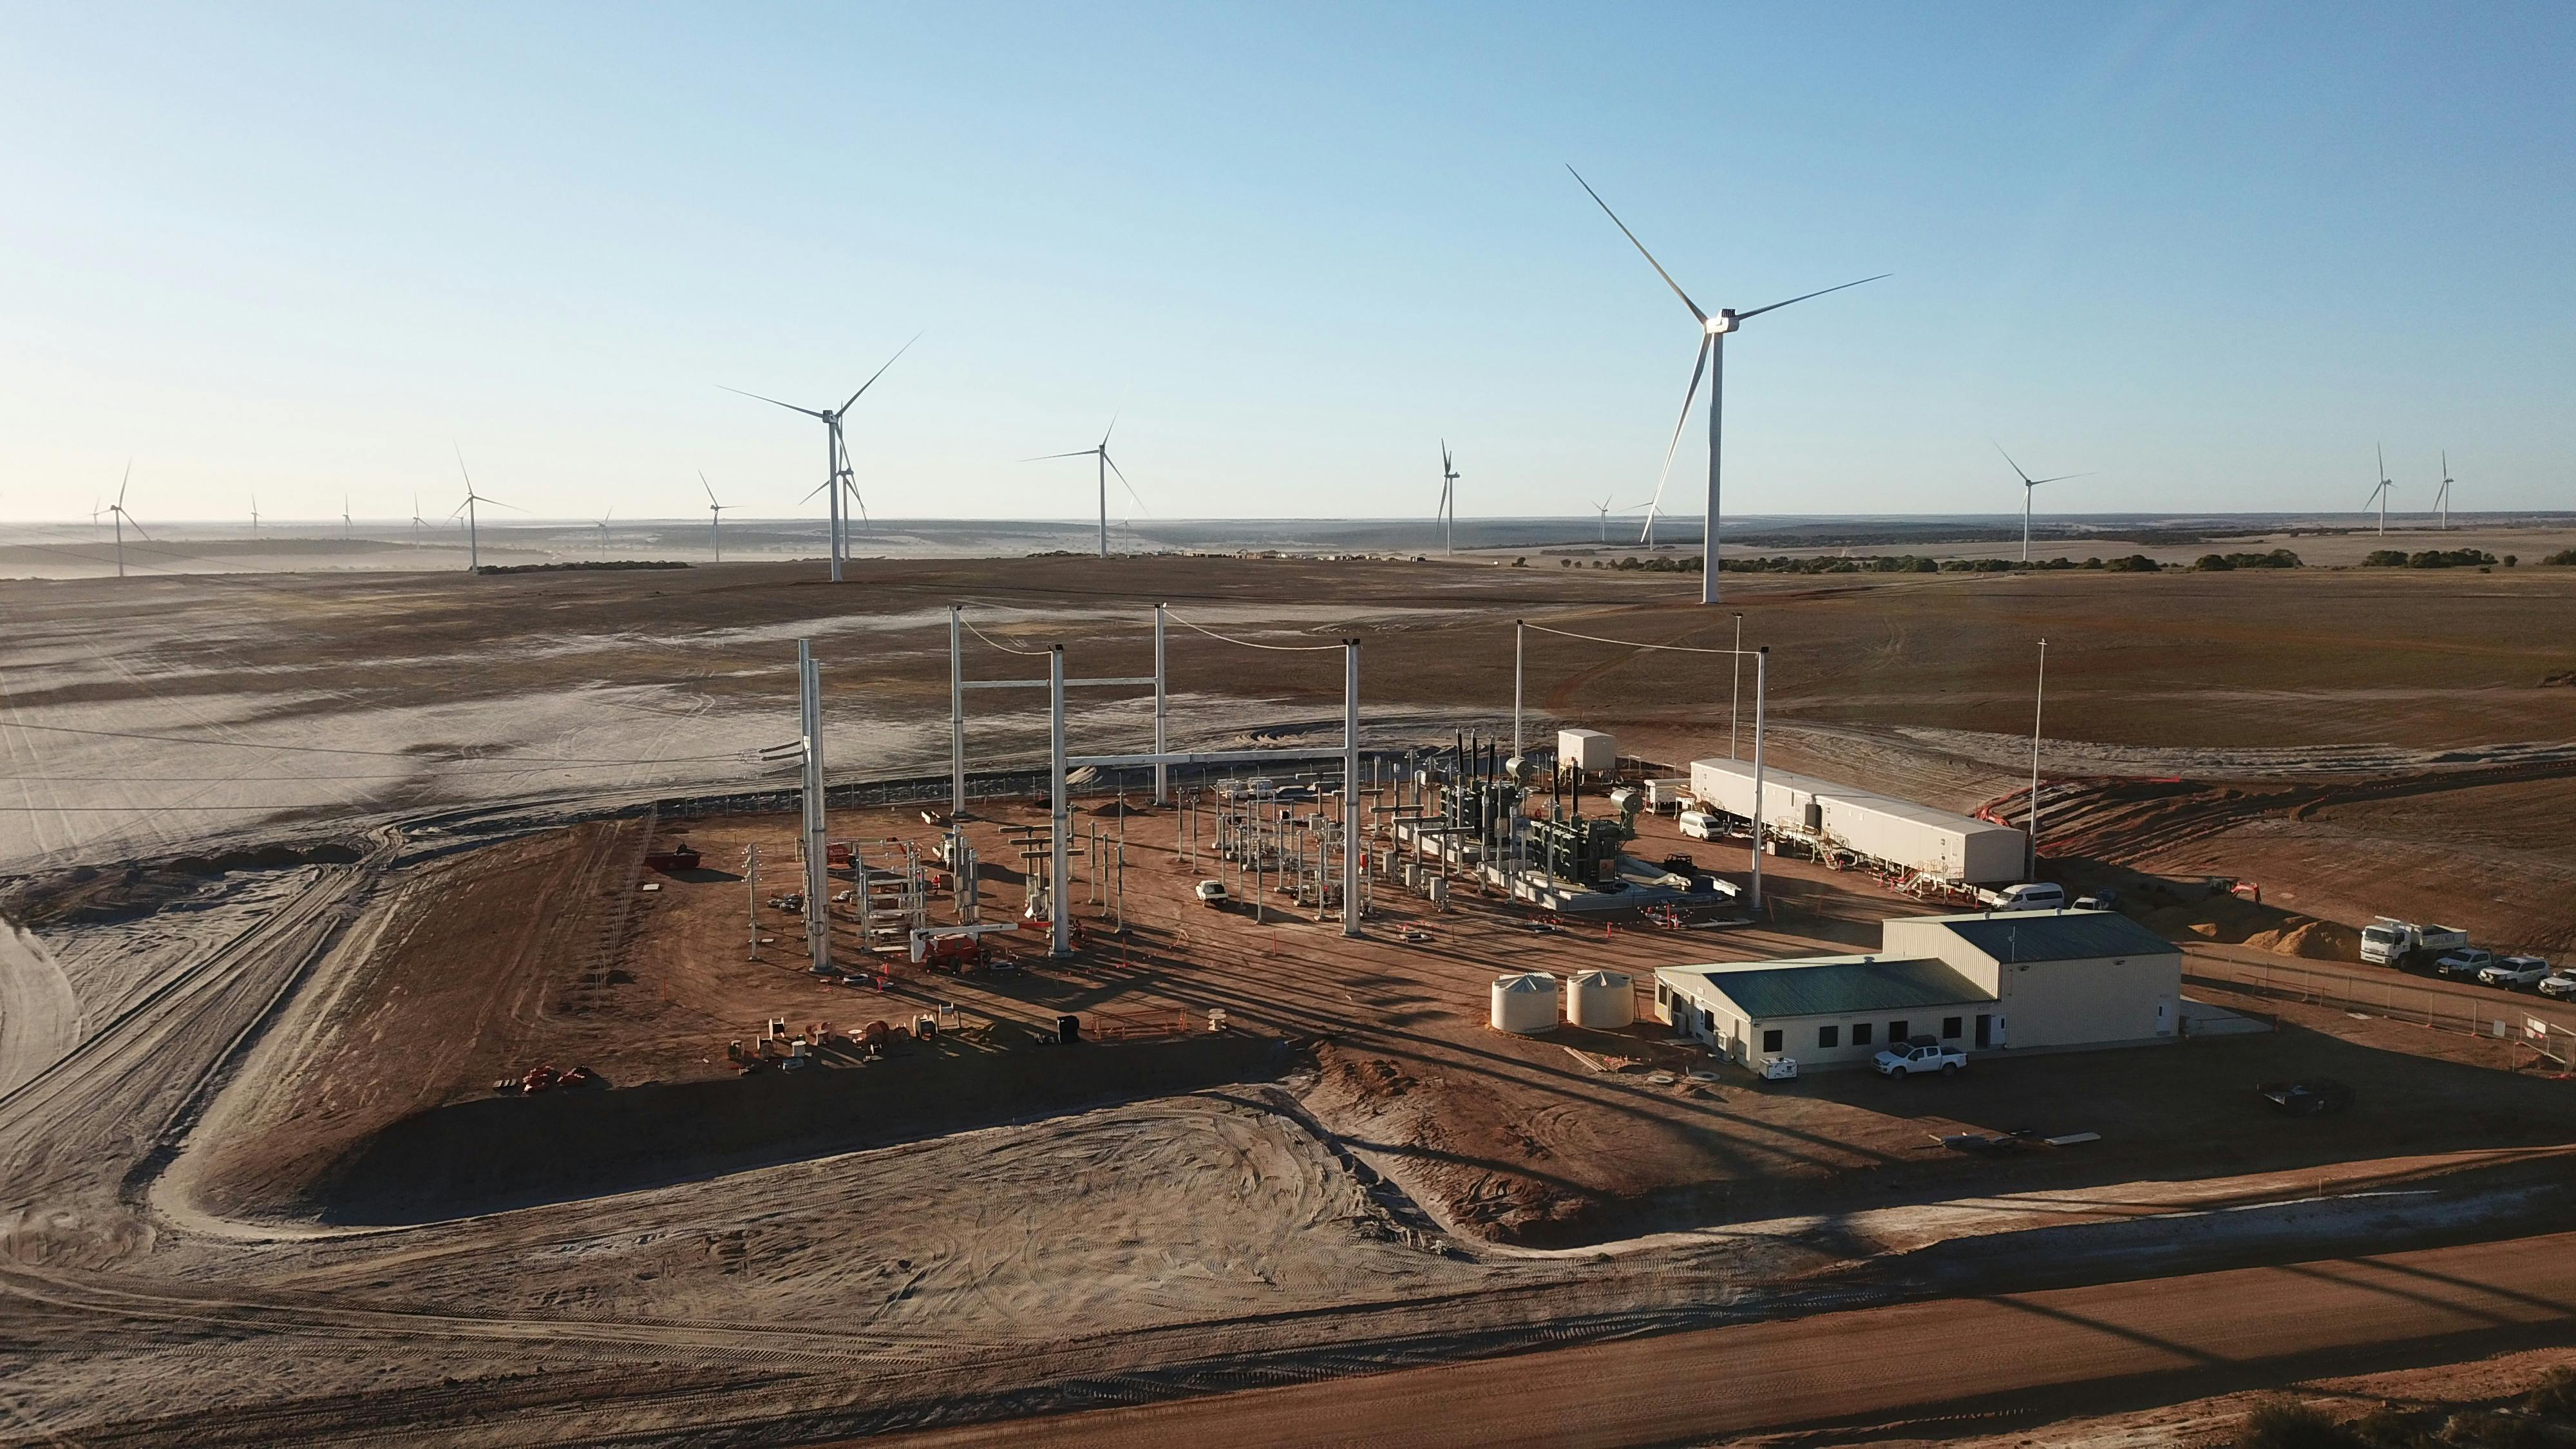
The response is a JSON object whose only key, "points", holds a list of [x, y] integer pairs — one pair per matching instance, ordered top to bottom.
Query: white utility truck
{"points": [[2392, 942]]}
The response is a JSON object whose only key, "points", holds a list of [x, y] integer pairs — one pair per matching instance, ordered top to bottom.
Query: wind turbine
{"points": [[1712, 360], [1107, 466], [837, 473], [2028, 483], [2379, 495], [2442, 500], [1604, 507], [117, 511], [1448, 514], [254, 515], [715, 515], [417, 522], [345, 524], [602, 526], [473, 532]]}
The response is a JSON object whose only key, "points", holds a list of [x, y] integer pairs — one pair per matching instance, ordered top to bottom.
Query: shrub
{"points": [[2564, 557], [2384, 558], [2448, 558], [2510, 560], [2136, 563], [2212, 563], [2288, 1424]]}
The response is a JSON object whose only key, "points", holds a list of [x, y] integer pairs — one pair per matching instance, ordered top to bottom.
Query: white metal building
{"points": [[1916, 837], [2026, 980]]}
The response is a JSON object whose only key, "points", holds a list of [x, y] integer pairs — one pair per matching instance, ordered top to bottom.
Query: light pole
{"points": [[1735, 692], [2038, 700]]}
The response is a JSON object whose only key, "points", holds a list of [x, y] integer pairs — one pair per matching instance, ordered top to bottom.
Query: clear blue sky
{"points": [[2212, 252]]}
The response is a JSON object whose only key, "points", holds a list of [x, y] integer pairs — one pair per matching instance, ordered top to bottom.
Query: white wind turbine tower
{"points": [[1712, 361], [1107, 466], [837, 472], [2028, 484], [2379, 495], [2442, 500], [1604, 507], [117, 512], [1448, 514], [254, 515], [715, 515], [417, 522], [345, 524], [602, 526], [473, 532]]}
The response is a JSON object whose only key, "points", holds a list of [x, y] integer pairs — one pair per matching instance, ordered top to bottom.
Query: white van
{"points": [[1700, 825], [2029, 896]]}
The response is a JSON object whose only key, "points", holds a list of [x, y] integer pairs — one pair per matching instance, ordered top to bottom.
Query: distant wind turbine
{"points": [[1712, 361], [1107, 466], [837, 471], [2028, 485], [2379, 495], [2442, 500], [1604, 506], [117, 512], [1448, 514], [254, 515], [715, 515], [417, 522], [345, 524], [602, 526], [473, 530]]}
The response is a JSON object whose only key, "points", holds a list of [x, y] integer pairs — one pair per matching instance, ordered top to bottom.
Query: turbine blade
{"points": [[1640, 246], [1776, 306], [1698, 370], [880, 372], [791, 407], [1076, 453], [2016, 467], [2060, 478], [1122, 480], [121, 482], [703, 483], [826, 483]]}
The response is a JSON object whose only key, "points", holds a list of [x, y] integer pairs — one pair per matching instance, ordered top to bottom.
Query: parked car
{"points": [[1700, 825], [1212, 892], [2037, 895], [2105, 899], [2465, 962], [2516, 972], [2560, 983], [1918, 1055], [2313, 1098]]}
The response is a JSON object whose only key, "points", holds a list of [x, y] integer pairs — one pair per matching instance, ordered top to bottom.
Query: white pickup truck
{"points": [[2391, 942], [1916, 1057]]}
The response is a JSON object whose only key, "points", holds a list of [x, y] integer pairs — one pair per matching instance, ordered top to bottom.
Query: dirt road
{"points": [[39, 1014], [1877, 1364]]}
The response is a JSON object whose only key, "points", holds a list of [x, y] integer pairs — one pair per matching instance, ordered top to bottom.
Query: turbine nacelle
{"points": [[1721, 324]]}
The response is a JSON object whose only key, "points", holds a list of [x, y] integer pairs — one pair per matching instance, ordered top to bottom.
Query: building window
{"points": [[1663, 994], [1950, 1027], [1860, 1033], [1896, 1033], [1828, 1036], [1770, 1041]]}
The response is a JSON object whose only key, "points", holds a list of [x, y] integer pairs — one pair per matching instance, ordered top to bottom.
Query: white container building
{"points": [[1591, 751], [1916, 837], [1603, 1000], [1525, 1005]]}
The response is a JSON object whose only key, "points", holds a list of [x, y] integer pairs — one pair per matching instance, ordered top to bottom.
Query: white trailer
{"points": [[1591, 751], [1668, 796], [1902, 833]]}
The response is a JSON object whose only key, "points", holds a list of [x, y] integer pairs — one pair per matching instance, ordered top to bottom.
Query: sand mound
{"points": [[2310, 939]]}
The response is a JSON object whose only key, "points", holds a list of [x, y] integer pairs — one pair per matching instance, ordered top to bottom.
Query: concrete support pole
{"points": [[1520, 633], [1761, 692], [2038, 701], [956, 710], [1162, 712], [1350, 789], [1061, 817], [818, 882]]}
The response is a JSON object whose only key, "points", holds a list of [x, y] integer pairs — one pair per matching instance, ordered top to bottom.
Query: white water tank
{"points": [[1605, 1000], [1525, 1005]]}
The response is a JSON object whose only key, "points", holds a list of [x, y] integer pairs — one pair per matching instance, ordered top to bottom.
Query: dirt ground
{"points": [[341, 883]]}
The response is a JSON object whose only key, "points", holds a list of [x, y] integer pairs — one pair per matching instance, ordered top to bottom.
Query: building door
{"points": [[1985, 1031]]}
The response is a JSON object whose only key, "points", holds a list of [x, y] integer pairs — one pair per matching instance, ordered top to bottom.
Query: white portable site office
{"points": [[1882, 827]]}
